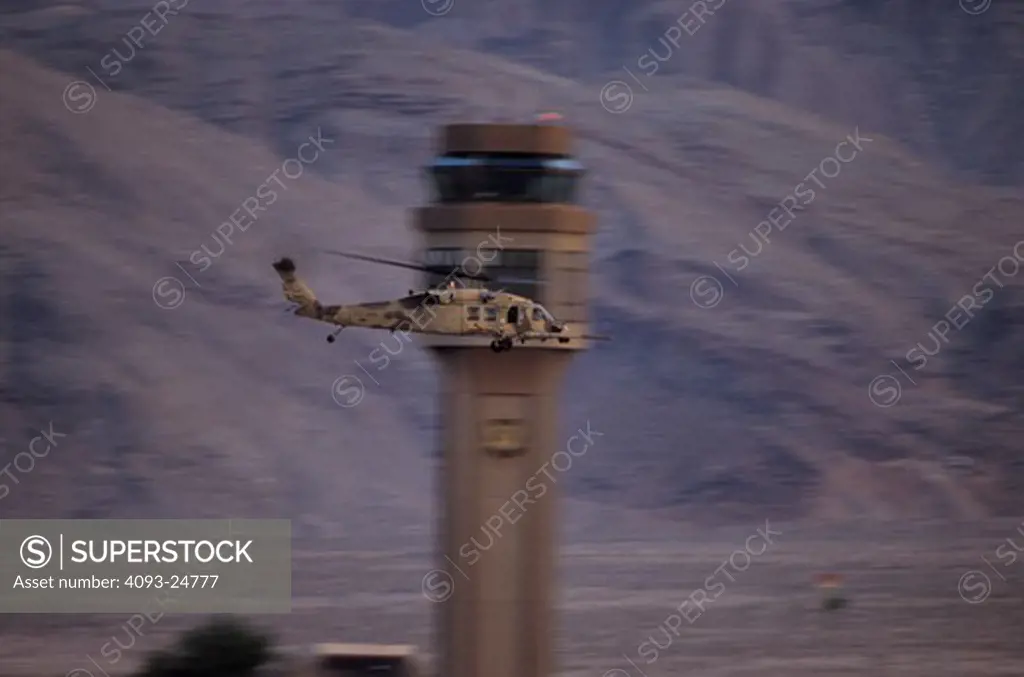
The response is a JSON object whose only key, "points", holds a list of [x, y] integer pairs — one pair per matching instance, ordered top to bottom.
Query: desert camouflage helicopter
{"points": [[453, 309]]}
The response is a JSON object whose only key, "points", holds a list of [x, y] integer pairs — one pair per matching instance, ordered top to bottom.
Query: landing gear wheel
{"points": [[330, 339], [495, 346]]}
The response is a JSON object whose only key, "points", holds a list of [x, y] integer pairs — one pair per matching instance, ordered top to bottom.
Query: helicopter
{"points": [[448, 310]]}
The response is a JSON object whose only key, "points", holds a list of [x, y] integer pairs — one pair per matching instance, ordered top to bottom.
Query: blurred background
{"points": [[813, 385]]}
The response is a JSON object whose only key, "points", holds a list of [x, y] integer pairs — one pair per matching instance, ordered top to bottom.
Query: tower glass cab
{"points": [[504, 178]]}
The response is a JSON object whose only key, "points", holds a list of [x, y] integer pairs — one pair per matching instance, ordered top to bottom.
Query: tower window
{"points": [[505, 178], [515, 271]]}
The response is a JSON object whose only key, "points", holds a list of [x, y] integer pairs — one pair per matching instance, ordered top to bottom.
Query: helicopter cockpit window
{"points": [[473, 313], [491, 313], [538, 314]]}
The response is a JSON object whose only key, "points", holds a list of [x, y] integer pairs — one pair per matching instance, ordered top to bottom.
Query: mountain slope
{"points": [[945, 82], [224, 404], [201, 409]]}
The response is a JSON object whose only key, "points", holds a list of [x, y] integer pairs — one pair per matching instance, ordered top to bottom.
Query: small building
{"points": [[357, 660]]}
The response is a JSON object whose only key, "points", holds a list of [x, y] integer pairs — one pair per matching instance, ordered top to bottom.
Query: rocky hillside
{"points": [[945, 82], [717, 402]]}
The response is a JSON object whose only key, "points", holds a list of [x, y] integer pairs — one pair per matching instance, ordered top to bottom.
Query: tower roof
{"points": [[535, 139]]}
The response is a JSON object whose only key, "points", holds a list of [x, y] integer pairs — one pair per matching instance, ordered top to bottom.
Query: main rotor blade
{"points": [[376, 259], [436, 270], [518, 280]]}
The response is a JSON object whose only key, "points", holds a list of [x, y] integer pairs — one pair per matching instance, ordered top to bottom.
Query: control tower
{"points": [[499, 411]]}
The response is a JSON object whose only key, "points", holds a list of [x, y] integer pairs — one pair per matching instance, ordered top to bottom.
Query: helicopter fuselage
{"points": [[463, 312]]}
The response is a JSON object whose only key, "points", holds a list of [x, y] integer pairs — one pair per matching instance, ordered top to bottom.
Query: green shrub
{"points": [[222, 647]]}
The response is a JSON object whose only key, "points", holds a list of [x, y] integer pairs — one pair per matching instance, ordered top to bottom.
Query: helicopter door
{"points": [[491, 316], [513, 316], [472, 317]]}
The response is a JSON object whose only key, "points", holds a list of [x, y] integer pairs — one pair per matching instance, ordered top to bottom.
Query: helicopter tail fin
{"points": [[296, 291]]}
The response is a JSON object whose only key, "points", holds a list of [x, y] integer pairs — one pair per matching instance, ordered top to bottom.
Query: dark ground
{"points": [[906, 617]]}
